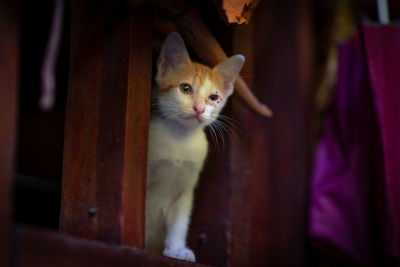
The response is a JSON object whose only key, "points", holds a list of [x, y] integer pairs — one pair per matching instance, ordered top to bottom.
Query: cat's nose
{"points": [[199, 109]]}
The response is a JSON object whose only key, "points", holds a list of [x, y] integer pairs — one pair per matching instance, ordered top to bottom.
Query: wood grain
{"points": [[9, 44], [108, 109], [271, 164], [47, 249]]}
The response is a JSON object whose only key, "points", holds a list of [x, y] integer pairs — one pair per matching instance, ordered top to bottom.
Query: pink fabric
{"points": [[382, 45], [355, 187]]}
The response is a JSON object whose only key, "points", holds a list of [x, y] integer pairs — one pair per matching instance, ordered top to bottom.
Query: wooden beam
{"points": [[9, 44], [108, 109], [271, 166], [210, 229], [47, 249]]}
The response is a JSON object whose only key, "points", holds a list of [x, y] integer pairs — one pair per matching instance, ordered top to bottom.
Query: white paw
{"points": [[181, 253]]}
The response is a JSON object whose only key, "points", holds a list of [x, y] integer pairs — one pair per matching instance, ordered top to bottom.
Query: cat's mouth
{"points": [[194, 117]]}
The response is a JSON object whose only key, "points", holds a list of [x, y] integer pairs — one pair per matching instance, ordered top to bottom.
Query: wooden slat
{"points": [[8, 110], [105, 149], [271, 164], [251, 202], [210, 224], [48, 249]]}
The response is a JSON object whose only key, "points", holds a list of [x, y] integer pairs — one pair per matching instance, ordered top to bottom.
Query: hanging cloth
{"points": [[382, 45], [341, 182], [355, 186]]}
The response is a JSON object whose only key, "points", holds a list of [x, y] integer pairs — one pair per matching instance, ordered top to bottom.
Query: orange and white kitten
{"points": [[189, 97]]}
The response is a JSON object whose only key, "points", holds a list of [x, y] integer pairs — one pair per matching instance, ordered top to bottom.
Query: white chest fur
{"points": [[165, 144], [174, 164]]}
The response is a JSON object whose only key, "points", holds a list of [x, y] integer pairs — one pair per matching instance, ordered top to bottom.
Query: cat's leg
{"points": [[177, 228], [155, 230]]}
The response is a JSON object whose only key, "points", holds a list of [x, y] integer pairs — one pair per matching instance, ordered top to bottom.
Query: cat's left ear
{"points": [[173, 56], [229, 70]]}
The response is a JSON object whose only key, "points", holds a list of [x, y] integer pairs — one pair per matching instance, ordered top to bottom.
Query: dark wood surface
{"points": [[9, 43], [105, 149], [271, 164], [252, 197], [210, 229], [37, 247]]}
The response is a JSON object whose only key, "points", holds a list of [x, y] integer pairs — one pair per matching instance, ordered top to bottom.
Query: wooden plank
{"points": [[9, 44], [137, 123], [105, 149], [271, 166], [210, 224], [47, 249]]}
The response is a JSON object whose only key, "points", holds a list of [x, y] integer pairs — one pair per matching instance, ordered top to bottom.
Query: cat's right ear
{"points": [[173, 55], [229, 70]]}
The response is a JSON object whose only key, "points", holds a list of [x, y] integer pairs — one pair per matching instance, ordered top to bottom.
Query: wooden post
{"points": [[9, 45], [108, 109], [271, 166]]}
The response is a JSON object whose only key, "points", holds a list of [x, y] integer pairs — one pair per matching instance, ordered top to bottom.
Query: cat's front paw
{"points": [[181, 253]]}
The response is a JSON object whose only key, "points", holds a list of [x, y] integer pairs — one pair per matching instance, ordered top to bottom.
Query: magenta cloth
{"points": [[382, 45], [355, 191]]}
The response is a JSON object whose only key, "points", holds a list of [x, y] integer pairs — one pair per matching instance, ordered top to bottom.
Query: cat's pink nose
{"points": [[199, 109]]}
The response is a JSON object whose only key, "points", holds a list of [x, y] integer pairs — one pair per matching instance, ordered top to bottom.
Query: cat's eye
{"points": [[186, 88], [213, 97]]}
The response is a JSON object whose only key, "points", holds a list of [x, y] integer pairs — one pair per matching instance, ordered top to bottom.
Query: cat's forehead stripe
{"points": [[202, 74], [196, 75]]}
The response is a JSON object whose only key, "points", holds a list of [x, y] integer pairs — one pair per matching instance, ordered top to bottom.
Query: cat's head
{"points": [[190, 93]]}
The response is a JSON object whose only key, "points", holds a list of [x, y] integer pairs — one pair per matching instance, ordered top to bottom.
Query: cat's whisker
{"points": [[174, 107], [171, 115], [228, 118], [232, 122], [229, 128], [235, 131], [220, 132], [211, 134], [214, 137], [217, 142]]}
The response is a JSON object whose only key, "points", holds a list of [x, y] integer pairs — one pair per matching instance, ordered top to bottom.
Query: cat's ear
{"points": [[173, 55], [228, 70]]}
